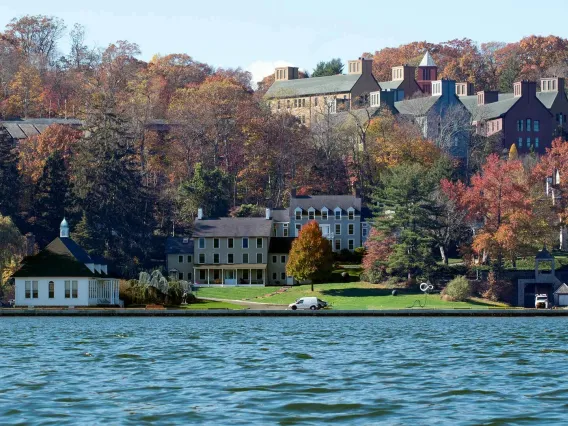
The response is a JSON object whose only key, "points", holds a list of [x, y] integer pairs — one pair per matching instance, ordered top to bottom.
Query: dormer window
{"points": [[436, 88], [298, 212], [337, 212], [311, 213], [324, 213], [351, 213]]}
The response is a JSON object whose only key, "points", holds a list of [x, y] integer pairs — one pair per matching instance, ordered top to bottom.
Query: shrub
{"points": [[458, 289], [497, 289]]}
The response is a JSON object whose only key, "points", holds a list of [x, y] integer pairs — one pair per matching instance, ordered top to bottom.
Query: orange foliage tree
{"points": [[311, 255]]}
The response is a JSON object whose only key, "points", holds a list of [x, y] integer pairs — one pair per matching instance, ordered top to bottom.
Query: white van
{"points": [[312, 303]]}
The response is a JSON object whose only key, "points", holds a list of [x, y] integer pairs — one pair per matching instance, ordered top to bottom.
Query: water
{"points": [[283, 370]]}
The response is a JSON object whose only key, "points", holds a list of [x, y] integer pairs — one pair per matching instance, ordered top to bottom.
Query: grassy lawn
{"points": [[234, 293], [357, 296], [207, 304]]}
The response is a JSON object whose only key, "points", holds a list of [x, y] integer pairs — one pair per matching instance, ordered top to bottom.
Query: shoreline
{"points": [[125, 312]]}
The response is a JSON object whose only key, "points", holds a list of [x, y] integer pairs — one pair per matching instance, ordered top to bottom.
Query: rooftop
{"points": [[427, 61], [341, 83], [318, 202], [232, 227], [179, 245]]}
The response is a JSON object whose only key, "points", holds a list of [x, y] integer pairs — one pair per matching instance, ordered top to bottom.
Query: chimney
{"points": [[360, 66], [403, 72], [286, 73], [555, 84], [443, 87], [524, 88], [464, 89], [487, 97], [293, 193], [199, 213], [268, 214], [30, 244]]}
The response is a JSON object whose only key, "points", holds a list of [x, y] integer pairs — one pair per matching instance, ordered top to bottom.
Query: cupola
{"points": [[64, 229]]}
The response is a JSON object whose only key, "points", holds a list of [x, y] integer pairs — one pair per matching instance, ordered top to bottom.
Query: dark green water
{"points": [[414, 371]]}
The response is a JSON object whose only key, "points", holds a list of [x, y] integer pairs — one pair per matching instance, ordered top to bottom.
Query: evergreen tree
{"points": [[323, 68], [9, 175], [207, 189], [108, 192], [51, 197], [406, 209]]}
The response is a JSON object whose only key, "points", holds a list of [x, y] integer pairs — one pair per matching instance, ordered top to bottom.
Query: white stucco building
{"points": [[63, 275]]}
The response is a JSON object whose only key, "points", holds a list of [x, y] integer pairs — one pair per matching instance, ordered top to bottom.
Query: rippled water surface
{"points": [[284, 370]]}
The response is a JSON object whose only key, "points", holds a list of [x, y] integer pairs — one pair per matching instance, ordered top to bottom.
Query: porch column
{"points": [[208, 273], [194, 276], [250, 276], [236, 277], [263, 277]]}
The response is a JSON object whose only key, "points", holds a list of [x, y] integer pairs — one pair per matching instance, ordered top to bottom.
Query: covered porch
{"points": [[230, 275], [104, 292]]}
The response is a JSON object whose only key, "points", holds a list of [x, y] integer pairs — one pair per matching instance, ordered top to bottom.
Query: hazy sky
{"points": [[257, 34]]}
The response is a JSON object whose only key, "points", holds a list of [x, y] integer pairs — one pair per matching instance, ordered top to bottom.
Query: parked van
{"points": [[312, 303]]}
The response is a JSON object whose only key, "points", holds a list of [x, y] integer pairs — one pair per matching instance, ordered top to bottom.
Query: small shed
{"points": [[561, 296]]}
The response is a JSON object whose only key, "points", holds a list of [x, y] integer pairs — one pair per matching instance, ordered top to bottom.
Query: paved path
{"points": [[256, 306]]}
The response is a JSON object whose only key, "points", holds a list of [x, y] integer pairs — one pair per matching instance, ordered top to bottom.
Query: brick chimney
{"points": [[360, 66], [286, 73], [555, 84], [524, 88], [464, 89], [487, 97]]}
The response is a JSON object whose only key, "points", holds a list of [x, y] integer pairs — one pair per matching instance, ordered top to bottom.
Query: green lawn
{"points": [[357, 296], [208, 304]]}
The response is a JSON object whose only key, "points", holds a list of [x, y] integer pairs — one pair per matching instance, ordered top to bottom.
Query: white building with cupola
{"points": [[63, 274]]}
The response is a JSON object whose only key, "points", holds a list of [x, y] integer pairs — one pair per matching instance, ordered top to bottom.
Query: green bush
{"points": [[458, 289]]}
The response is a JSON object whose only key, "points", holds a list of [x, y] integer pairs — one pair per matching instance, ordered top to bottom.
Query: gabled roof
{"points": [[427, 61], [340, 83], [390, 85], [547, 98], [416, 106], [489, 111], [329, 201], [280, 215], [232, 227], [280, 244], [176, 245], [49, 264], [563, 289]]}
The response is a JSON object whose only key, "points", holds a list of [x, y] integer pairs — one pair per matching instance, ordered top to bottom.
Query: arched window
{"points": [[51, 289]]}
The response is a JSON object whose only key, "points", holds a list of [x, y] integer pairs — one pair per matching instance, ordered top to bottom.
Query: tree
{"points": [[332, 67], [27, 93], [9, 175], [207, 189], [107, 190], [51, 198], [406, 209], [12, 246], [378, 249], [311, 255]]}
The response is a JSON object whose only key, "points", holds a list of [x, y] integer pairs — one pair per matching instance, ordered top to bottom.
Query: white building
{"points": [[63, 274]]}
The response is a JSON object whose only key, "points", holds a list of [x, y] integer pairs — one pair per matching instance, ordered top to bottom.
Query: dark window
{"points": [[536, 126], [215, 242], [245, 242], [230, 243], [215, 257], [230, 258], [245, 258], [259, 258], [180, 259], [274, 259], [283, 259], [51, 289]]}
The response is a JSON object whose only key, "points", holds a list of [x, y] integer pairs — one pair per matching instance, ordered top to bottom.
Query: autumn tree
{"points": [[26, 93], [9, 175], [12, 247], [378, 248], [310, 256]]}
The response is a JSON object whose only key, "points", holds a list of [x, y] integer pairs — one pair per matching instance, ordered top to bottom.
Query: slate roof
{"points": [[427, 61], [340, 83], [390, 85], [547, 98], [417, 106], [489, 111], [341, 118], [23, 129], [330, 201], [280, 215], [232, 227], [176, 245], [280, 245], [68, 247], [49, 264], [563, 289]]}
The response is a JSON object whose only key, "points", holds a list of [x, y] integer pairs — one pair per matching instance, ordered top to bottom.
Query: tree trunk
{"points": [[443, 254]]}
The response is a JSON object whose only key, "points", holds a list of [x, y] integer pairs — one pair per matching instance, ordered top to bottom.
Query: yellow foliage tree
{"points": [[26, 93]]}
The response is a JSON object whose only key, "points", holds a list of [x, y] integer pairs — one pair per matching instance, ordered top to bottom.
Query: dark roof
{"points": [[340, 83], [390, 85], [416, 106], [489, 111], [359, 115], [23, 129], [330, 201], [280, 215], [232, 227], [280, 244], [179, 245], [68, 247], [544, 254], [49, 264], [563, 289]]}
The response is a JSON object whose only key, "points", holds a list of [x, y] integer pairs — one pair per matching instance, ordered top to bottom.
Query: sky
{"points": [[258, 35]]}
